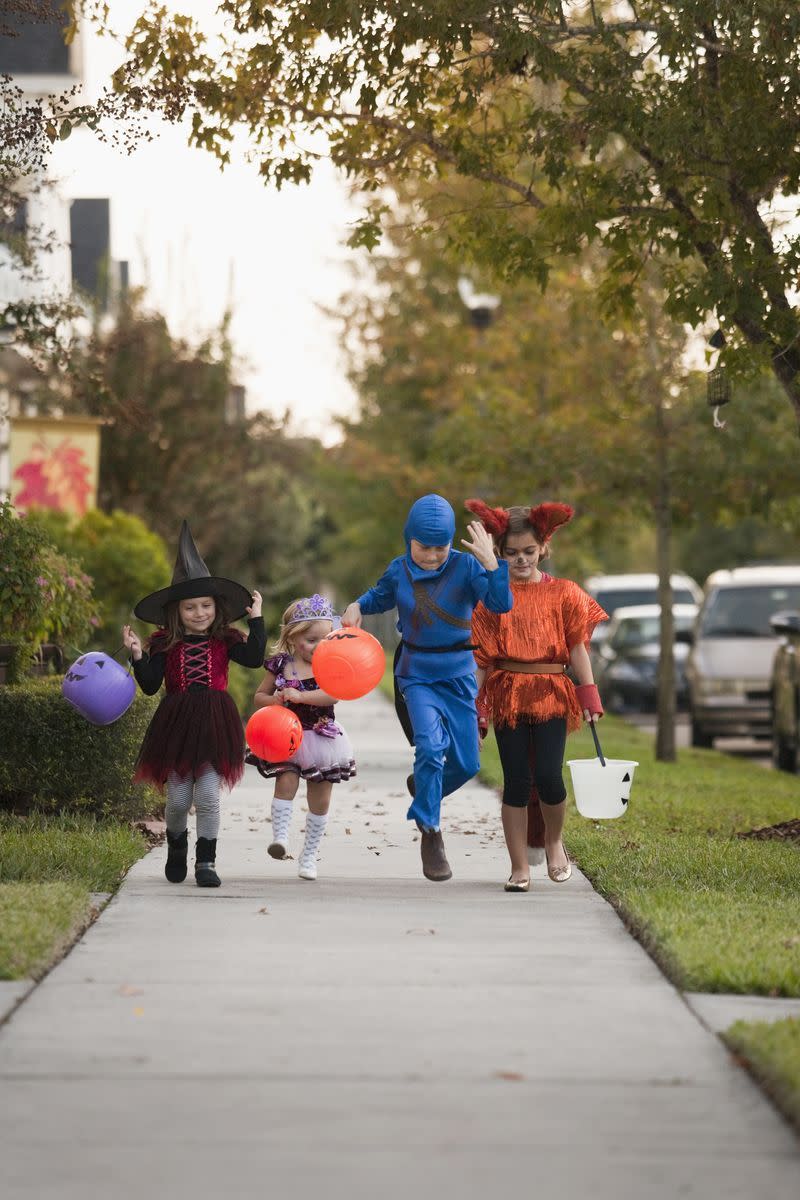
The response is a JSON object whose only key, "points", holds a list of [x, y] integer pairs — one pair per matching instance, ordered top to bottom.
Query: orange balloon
{"points": [[348, 663], [274, 733]]}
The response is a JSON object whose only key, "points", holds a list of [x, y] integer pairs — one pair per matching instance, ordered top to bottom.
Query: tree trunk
{"points": [[789, 379], [665, 725]]}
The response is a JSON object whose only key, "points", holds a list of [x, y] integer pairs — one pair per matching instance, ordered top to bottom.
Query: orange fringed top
{"points": [[548, 619]]}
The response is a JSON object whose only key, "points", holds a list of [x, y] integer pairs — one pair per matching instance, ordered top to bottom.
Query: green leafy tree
{"points": [[653, 130]]}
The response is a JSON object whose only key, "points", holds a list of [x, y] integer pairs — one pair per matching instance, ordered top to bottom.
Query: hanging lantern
{"points": [[718, 387], [718, 392]]}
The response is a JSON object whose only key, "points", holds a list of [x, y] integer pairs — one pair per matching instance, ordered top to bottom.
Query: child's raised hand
{"points": [[481, 545], [255, 608], [132, 642]]}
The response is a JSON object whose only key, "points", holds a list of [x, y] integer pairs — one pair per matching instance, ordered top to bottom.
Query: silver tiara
{"points": [[312, 608]]}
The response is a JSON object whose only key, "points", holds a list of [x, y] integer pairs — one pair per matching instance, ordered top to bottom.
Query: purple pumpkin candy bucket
{"points": [[99, 688]]}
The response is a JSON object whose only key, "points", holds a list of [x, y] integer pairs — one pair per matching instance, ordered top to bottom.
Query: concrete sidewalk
{"points": [[372, 1034]]}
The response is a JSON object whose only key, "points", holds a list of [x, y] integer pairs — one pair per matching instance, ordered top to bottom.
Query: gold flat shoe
{"points": [[560, 874], [517, 885]]}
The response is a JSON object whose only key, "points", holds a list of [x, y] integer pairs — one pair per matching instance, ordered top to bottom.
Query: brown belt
{"points": [[529, 668]]}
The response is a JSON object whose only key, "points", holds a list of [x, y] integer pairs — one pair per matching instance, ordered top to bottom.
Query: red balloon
{"points": [[348, 663], [274, 733]]}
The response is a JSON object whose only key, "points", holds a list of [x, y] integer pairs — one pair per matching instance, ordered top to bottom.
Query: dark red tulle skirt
{"points": [[190, 731]]}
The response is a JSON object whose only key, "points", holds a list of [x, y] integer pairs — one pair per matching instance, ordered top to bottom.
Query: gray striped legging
{"points": [[204, 791]]}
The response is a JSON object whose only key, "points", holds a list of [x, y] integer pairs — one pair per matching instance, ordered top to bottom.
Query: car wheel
{"points": [[700, 737]]}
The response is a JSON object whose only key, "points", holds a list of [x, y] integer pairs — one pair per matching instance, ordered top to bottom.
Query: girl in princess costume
{"points": [[435, 589], [522, 658], [194, 743], [325, 756]]}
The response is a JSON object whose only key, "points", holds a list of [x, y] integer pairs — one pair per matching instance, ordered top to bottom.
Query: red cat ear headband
{"points": [[544, 519]]}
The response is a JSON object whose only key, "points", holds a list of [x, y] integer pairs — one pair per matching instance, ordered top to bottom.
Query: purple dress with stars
{"points": [[325, 752]]}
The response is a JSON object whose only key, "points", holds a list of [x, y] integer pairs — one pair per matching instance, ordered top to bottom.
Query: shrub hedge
{"points": [[53, 760]]}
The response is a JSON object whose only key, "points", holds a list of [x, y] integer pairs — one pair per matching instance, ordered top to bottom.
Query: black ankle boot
{"points": [[177, 851], [204, 873]]}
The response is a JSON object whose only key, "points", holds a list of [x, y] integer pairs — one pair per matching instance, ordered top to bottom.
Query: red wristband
{"points": [[589, 699]]}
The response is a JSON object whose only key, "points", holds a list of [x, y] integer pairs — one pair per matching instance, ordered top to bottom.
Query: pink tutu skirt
{"points": [[320, 758]]}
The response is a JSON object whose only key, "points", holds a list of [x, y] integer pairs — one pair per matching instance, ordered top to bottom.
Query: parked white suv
{"points": [[623, 591], [730, 663]]}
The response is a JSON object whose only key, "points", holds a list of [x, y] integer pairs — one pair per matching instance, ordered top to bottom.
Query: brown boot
{"points": [[434, 861]]}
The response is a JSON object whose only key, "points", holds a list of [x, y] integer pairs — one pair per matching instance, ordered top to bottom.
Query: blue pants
{"points": [[445, 740]]}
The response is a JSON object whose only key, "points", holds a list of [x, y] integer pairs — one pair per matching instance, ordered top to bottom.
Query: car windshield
{"points": [[614, 598], [745, 611], [637, 631]]}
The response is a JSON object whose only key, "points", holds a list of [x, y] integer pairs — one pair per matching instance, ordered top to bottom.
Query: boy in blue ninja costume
{"points": [[435, 589]]}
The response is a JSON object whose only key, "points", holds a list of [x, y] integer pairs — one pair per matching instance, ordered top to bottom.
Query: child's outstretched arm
{"points": [[380, 598]]}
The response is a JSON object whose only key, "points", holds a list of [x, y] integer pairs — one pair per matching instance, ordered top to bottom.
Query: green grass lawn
{"points": [[49, 865], [772, 1052]]}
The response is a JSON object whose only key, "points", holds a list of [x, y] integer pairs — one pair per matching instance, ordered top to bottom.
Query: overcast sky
{"points": [[200, 239]]}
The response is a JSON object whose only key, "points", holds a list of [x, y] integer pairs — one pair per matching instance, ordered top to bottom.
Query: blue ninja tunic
{"points": [[436, 668]]}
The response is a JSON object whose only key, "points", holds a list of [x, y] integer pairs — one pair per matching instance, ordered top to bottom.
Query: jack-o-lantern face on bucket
{"points": [[99, 688]]}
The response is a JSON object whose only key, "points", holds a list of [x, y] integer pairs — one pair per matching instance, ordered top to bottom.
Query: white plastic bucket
{"points": [[602, 792]]}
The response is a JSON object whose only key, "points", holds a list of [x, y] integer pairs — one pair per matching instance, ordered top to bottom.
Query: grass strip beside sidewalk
{"points": [[49, 866], [719, 914], [772, 1052]]}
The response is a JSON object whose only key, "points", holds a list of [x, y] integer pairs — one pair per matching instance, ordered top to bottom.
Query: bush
{"points": [[125, 559], [44, 595], [54, 760]]}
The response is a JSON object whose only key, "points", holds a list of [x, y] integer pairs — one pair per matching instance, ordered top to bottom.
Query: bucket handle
{"points": [[70, 645], [592, 726]]}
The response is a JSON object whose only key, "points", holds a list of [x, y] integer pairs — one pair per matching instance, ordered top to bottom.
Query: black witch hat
{"points": [[191, 577]]}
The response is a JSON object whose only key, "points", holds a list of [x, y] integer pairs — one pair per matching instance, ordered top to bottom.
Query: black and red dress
{"points": [[197, 724]]}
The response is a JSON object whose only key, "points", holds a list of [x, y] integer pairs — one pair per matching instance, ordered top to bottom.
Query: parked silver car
{"points": [[730, 663]]}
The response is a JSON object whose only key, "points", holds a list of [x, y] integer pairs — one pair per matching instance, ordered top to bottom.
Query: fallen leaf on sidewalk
{"points": [[265, 911], [423, 931], [127, 989], [514, 1076]]}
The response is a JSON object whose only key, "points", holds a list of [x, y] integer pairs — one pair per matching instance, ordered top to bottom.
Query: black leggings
{"points": [[532, 753]]}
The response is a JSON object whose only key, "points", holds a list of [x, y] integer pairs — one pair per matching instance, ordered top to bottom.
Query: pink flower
{"points": [[40, 579], [69, 581], [94, 621]]}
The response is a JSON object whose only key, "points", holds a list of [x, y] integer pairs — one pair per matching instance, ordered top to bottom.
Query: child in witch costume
{"points": [[435, 589], [522, 660], [194, 743], [325, 756]]}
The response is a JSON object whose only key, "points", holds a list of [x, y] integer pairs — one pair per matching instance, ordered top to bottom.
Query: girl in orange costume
{"points": [[522, 658]]}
